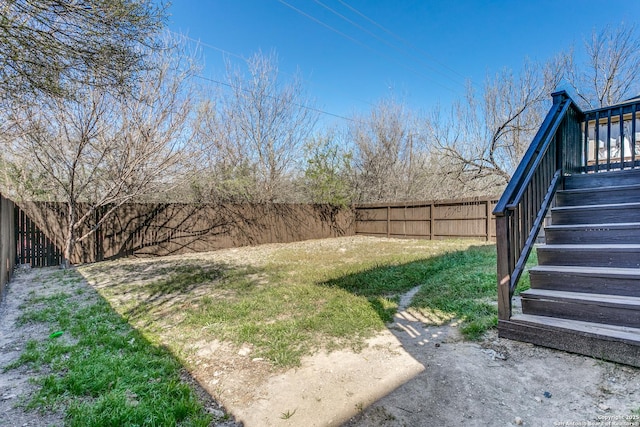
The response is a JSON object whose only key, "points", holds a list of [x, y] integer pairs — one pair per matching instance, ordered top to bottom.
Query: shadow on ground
{"points": [[95, 369]]}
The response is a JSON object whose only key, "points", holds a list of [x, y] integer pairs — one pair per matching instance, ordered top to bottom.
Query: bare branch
{"points": [[609, 74], [102, 148]]}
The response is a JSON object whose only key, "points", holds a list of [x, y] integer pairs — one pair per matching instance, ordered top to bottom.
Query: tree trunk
{"points": [[70, 240]]}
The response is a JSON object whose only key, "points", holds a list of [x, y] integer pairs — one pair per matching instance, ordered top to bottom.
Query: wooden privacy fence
{"points": [[450, 219], [146, 229], [7, 241], [32, 245]]}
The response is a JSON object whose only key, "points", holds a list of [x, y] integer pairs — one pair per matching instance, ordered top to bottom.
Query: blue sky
{"points": [[420, 51]]}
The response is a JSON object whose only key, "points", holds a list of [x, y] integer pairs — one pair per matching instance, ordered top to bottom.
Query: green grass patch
{"points": [[455, 285], [462, 285], [296, 299], [54, 309], [284, 321], [100, 371]]}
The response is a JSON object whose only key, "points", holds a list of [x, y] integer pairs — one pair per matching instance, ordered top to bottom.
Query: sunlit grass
{"points": [[297, 299], [288, 302]]}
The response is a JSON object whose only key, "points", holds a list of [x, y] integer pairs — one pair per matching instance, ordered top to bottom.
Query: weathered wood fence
{"points": [[449, 219], [142, 229], [33, 233], [7, 241], [32, 245]]}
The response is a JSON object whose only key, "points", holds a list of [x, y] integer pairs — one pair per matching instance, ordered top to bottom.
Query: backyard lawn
{"points": [[289, 300], [278, 302]]}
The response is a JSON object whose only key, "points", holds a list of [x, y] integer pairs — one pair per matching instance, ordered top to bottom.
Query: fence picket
{"points": [[447, 219], [162, 229]]}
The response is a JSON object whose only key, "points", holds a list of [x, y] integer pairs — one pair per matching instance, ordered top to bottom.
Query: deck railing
{"points": [[612, 137], [568, 142], [524, 203]]}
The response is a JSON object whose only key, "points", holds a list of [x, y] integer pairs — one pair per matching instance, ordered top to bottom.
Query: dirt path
{"points": [[409, 375], [416, 375], [499, 382], [14, 384]]}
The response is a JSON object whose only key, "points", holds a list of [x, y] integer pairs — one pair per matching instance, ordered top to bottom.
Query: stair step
{"points": [[602, 179], [599, 195], [590, 214], [624, 232], [593, 255], [598, 280], [585, 292], [587, 307], [615, 343]]}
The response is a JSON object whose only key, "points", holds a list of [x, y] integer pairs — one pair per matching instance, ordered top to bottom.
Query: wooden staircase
{"points": [[585, 292]]}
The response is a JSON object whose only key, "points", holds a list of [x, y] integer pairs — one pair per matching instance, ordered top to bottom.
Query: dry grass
{"points": [[283, 301]]}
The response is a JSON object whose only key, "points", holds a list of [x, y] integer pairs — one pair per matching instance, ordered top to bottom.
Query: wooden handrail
{"points": [[560, 147], [529, 157], [538, 159], [521, 210]]}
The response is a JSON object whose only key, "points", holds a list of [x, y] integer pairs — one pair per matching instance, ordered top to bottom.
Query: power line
{"points": [[316, 20], [355, 24], [397, 37], [362, 44], [391, 45], [210, 46], [229, 53], [229, 85], [306, 107]]}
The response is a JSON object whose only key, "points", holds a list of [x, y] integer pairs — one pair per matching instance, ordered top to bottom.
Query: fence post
{"points": [[488, 213], [388, 221], [432, 221], [503, 270]]}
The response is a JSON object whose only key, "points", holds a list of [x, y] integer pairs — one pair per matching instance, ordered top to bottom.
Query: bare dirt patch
{"points": [[410, 374], [497, 382], [15, 388]]}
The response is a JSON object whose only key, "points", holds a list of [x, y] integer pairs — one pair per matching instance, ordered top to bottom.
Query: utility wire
{"points": [[316, 20], [399, 38], [362, 44], [391, 45], [210, 46], [226, 52], [306, 107]]}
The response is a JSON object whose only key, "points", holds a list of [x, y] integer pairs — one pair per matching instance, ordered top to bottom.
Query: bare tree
{"points": [[48, 46], [609, 74], [256, 133], [484, 139], [103, 148], [390, 153], [225, 172]]}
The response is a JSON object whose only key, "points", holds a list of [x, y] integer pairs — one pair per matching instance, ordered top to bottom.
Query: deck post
{"points": [[504, 271]]}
